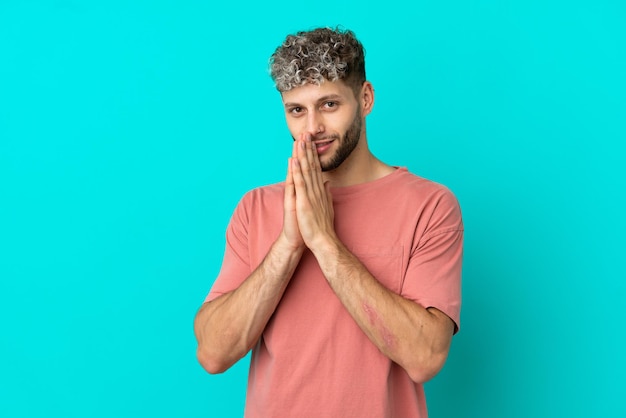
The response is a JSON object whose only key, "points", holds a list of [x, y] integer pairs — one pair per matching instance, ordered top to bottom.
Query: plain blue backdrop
{"points": [[130, 129]]}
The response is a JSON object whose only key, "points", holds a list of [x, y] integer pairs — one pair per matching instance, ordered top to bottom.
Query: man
{"points": [[345, 279]]}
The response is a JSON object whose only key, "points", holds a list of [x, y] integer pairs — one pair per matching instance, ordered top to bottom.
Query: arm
{"points": [[229, 326], [416, 338]]}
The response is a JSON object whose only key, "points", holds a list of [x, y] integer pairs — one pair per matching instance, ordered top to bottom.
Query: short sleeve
{"points": [[236, 263], [433, 277]]}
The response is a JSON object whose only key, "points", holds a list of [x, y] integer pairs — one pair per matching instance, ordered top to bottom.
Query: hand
{"points": [[314, 207], [291, 231]]}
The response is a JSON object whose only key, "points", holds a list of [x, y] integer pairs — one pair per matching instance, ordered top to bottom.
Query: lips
{"points": [[323, 146]]}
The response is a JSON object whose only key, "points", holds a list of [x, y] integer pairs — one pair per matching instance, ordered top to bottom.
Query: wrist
{"points": [[285, 246], [326, 247]]}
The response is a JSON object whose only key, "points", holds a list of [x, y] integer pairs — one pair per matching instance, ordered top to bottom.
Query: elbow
{"points": [[208, 354], [214, 357], [211, 363], [425, 369]]}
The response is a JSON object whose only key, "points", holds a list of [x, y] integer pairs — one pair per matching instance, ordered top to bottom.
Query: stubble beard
{"points": [[348, 144]]}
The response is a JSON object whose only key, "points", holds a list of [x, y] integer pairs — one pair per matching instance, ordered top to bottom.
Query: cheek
{"points": [[347, 123], [293, 127]]}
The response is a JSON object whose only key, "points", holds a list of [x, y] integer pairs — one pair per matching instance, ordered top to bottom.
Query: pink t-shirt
{"points": [[313, 360]]}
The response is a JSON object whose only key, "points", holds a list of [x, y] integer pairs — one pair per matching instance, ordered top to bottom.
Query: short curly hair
{"points": [[318, 55]]}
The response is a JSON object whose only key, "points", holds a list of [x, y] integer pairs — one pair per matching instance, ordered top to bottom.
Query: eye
{"points": [[330, 105], [295, 111]]}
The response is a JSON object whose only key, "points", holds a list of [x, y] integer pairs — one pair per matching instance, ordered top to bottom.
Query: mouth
{"points": [[323, 145]]}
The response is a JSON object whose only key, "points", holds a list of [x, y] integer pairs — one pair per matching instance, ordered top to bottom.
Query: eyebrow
{"points": [[321, 99]]}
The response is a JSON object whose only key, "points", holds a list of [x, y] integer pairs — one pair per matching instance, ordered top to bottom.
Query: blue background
{"points": [[129, 131]]}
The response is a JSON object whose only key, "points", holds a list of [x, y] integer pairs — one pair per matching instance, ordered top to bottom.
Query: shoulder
{"points": [[423, 189], [269, 191], [263, 197], [258, 204], [436, 207]]}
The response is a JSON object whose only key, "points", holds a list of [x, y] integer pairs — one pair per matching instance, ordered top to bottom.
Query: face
{"points": [[331, 114]]}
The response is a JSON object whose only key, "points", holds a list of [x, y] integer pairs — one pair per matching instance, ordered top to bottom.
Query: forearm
{"points": [[229, 326], [416, 338]]}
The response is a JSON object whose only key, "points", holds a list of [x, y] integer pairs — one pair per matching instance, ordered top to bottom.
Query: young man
{"points": [[345, 279]]}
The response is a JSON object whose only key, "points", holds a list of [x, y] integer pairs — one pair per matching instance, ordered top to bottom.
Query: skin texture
{"points": [[347, 142], [416, 338]]}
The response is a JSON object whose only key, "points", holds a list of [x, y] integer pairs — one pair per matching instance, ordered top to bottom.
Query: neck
{"points": [[360, 167]]}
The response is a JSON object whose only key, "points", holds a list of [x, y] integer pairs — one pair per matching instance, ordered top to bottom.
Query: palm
{"points": [[290, 220]]}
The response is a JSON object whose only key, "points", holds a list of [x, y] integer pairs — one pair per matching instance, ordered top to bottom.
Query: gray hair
{"points": [[318, 55]]}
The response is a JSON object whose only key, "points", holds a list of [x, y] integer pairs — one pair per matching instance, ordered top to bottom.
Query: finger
{"points": [[294, 149], [311, 151], [316, 158], [303, 160], [290, 164], [296, 165], [316, 167], [297, 177], [289, 178], [317, 181], [314, 183], [290, 191], [302, 198]]}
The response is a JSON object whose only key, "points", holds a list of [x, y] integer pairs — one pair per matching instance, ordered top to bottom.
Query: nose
{"points": [[314, 123]]}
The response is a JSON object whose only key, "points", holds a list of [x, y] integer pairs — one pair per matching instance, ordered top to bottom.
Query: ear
{"points": [[367, 98]]}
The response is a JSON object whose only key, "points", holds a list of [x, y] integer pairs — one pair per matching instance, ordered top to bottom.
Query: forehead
{"points": [[314, 92]]}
